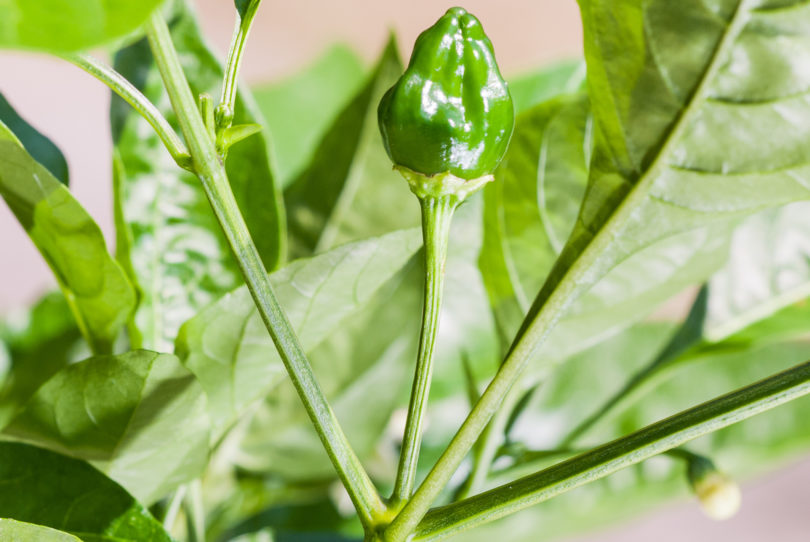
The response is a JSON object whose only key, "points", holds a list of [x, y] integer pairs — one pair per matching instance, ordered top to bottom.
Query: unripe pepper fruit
{"points": [[451, 111], [446, 124]]}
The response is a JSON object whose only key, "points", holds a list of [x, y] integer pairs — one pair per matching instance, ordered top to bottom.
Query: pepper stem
{"points": [[437, 213]]}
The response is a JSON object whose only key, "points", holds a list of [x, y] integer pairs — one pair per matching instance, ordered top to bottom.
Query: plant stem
{"points": [[118, 84], [227, 102], [211, 172], [437, 213], [609, 458]]}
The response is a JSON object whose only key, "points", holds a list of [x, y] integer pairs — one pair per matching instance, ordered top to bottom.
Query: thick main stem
{"points": [[211, 172], [437, 213]]}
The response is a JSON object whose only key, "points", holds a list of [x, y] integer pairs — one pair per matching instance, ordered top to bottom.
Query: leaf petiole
{"points": [[127, 91]]}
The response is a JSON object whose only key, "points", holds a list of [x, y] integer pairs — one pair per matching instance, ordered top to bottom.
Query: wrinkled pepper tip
{"points": [[451, 111]]}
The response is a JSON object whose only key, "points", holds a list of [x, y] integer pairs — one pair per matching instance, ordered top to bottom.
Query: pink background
{"points": [[71, 108]]}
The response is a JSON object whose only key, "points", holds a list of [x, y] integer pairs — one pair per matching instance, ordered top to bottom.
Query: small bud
{"points": [[719, 495]]}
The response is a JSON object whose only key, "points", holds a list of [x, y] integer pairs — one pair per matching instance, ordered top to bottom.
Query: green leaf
{"points": [[58, 26], [531, 89], [300, 109], [234, 134], [715, 144], [38, 146], [350, 190], [532, 209], [173, 243], [72, 244], [768, 269], [39, 344], [227, 345], [370, 361], [140, 417], [49, 489], [16, 531]]}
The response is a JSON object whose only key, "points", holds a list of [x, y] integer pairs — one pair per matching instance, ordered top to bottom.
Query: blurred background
{"points": [[72, 108]]}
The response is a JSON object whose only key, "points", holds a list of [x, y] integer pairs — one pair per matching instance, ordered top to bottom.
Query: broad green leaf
{"points": [[59, 26], [531, 89], [300, 109], [684, 135], [38, 146], [350, 191], [530, 212], [171, 239], [768, 269], [98, 292], [39, 343], [227, 345], [370, 361], [140, 417], [49, 489], [17, 531]]}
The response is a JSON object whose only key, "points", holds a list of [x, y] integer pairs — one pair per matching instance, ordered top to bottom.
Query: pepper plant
{"points": [[236, 369]]}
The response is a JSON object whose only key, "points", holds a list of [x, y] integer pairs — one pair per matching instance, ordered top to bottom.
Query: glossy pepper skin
{"points": [[451, 110]]}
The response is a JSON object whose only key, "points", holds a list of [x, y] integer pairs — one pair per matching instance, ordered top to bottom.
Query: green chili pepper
{"points": [[451, 111], [446, 124]]}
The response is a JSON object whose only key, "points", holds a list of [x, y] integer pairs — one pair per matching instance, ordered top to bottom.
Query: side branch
{"points": [[623, 452]]}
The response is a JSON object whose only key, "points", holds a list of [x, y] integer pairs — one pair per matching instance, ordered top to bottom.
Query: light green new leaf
{"points": [[59, 26], [299, 110], [697, 120], [350, 191], [168, 236], [99, 293], [227, 345], [140, 417], [45, 488], [17, 531]]}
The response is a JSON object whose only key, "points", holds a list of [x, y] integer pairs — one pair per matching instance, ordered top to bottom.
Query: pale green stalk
{"points": [[437, 213]]}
